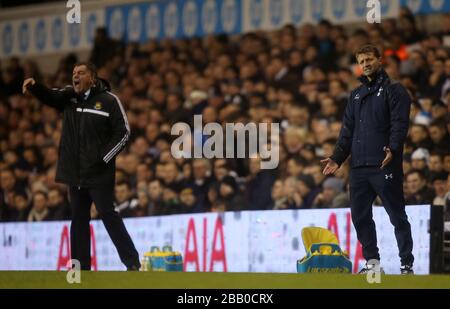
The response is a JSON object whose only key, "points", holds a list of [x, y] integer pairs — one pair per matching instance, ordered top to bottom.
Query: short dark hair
{"points": [[325, 22], [367, 49], [89, 65], [440, 123], [330, 140], [437, 154], [299, 160], [8, 170], [418, 172], [442, 176], [123, 183], [55, 188], [40, 192]]}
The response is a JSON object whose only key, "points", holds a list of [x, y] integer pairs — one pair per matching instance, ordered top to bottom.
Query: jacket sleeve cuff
{"points": [[394, 147], [337, 158]]}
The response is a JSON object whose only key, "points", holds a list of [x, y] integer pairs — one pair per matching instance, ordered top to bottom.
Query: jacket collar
{"points": [[379, 78], [99, 86]]}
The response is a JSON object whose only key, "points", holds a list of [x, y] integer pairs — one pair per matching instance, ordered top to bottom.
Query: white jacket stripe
{"points": [[116, 149]]}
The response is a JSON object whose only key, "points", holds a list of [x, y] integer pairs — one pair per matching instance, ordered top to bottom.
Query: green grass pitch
{"points": [[191, 280]]}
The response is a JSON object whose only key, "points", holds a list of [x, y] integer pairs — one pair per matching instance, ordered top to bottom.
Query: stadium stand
{"points": [[298, 77]]}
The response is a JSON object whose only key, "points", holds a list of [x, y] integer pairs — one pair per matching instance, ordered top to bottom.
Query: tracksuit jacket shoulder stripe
{"points": [[376, 115], [94, 131]]}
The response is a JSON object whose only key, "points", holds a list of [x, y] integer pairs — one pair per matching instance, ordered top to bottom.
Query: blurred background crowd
{"points": [[299, 77]]}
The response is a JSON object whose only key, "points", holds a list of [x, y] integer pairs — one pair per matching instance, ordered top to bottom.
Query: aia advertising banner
{"points": [[248, 241]]}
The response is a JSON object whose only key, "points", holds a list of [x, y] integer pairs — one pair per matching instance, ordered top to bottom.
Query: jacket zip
{"points": [[79, 145]]}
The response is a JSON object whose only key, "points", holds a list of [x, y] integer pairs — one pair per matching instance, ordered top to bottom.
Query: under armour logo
{"points": [[379, 91], [357, 96], [387, 176]]}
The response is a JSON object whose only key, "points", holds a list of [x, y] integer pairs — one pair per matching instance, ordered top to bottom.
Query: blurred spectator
{"points": [[408, 28], [326, 44], [104, 48], [31, 69], [296, 76], [12, 77], [282, 78], [437, 78], [439, 136], [419, 137], [328, 147], [419, 160], [435, 163], [295, 166], [315, 170], [201, 171], [143, 173], [171, 175], [439, 182], [259, 184], [8, 187], [308, 190], [155, 191], [418, 192], [230, 194], [292, 194], [333, 194], [277, 195], [213, 197], [124, 201], [170, 201], [447, 201], [188, 202], [22, 206], [58, 206], [142, 206], [39, 211]]}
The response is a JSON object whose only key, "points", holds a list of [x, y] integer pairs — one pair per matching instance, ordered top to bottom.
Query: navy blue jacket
{"points": [[376, 115]]}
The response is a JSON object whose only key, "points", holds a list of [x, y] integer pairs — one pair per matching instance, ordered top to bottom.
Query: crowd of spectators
{"points": [[299, 77]]}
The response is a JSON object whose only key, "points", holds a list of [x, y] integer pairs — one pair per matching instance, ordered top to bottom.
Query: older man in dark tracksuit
{"points": [[95, 129], [373, 132]]}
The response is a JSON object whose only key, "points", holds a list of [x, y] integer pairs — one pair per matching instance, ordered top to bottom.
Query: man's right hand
{"points": [[26, 83], [331, 166]]}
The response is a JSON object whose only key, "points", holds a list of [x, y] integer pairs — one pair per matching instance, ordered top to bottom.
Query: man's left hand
{"points": [[387, 158]]}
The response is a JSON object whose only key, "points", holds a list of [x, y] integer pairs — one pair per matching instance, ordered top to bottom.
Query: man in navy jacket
{"points": [[373, 132]]}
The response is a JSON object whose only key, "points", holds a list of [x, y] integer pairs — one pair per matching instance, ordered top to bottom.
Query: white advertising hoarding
{"points": [[273, 14], [48, 34], [249, 241]]}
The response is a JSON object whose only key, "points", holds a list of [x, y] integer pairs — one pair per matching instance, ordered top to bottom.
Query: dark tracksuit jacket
{"points": [[376, 116], [95, 129]]}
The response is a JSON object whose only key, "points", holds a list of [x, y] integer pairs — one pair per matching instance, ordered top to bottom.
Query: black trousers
{"points": [[365, 184], [80, 240]]}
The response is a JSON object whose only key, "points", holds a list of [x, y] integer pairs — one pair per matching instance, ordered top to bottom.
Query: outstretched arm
{"points": [[56, 98]]}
